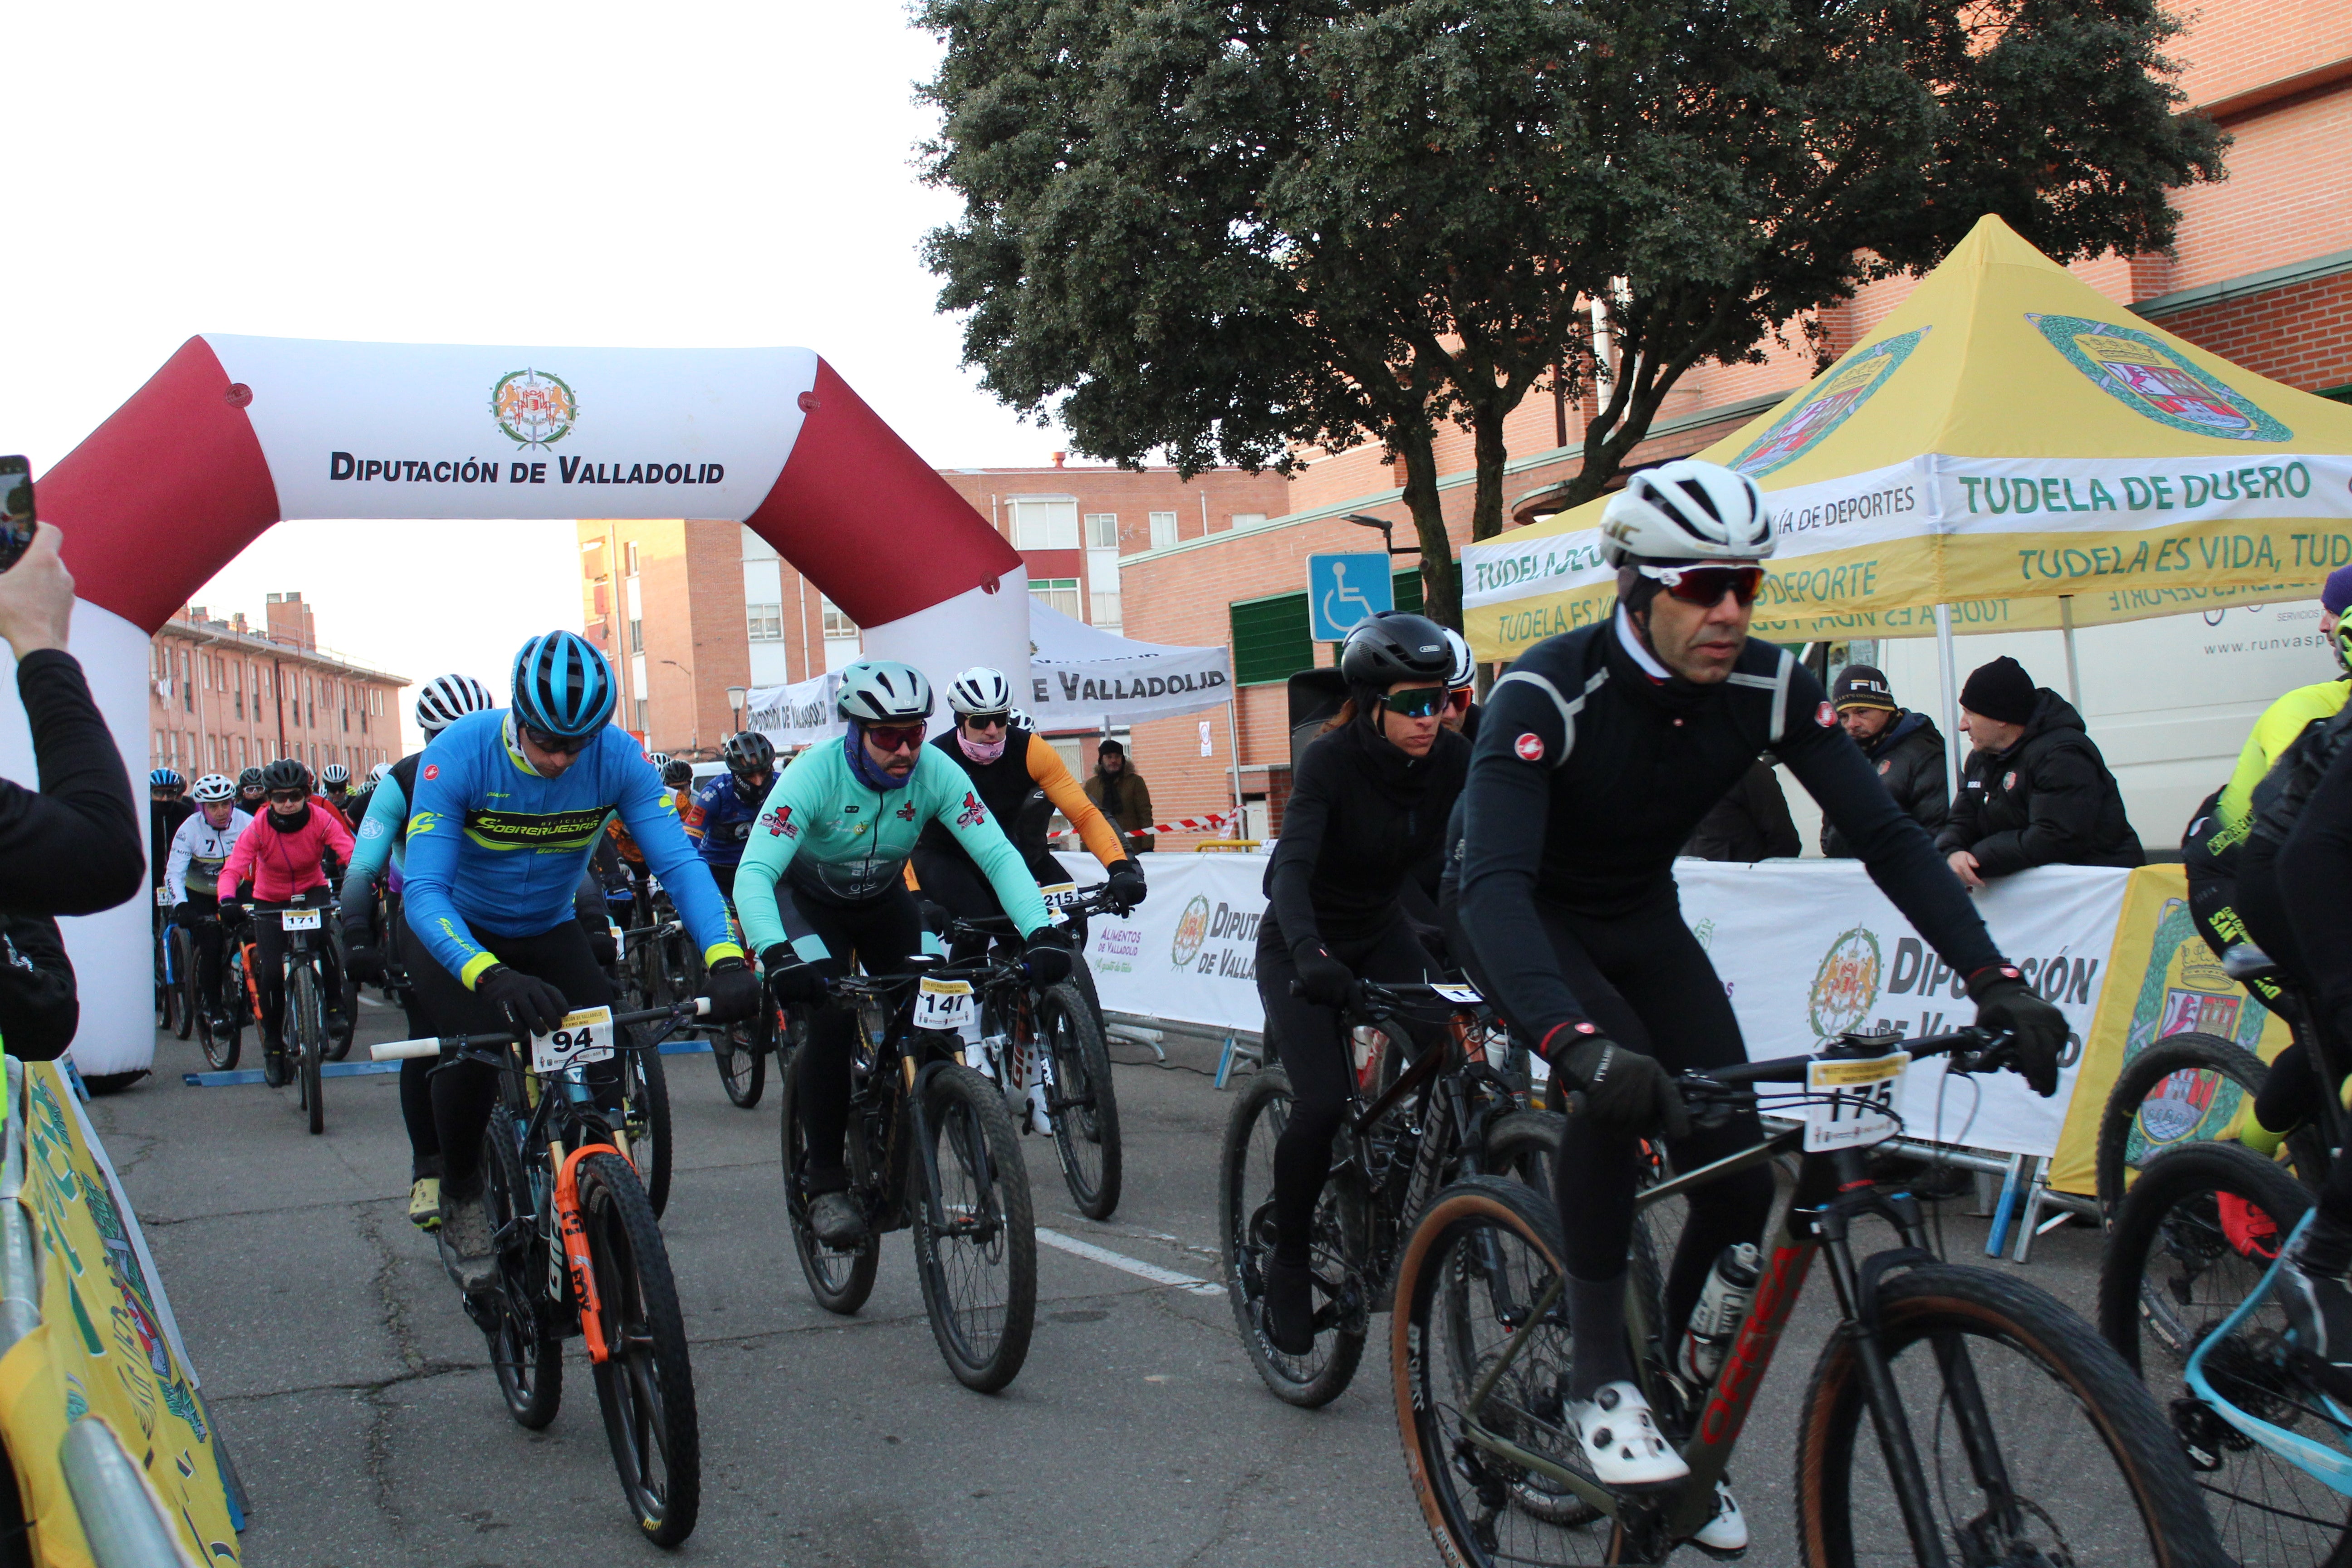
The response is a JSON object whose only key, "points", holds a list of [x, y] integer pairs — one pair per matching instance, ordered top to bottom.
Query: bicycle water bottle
{"points": [[1722, 1306]]}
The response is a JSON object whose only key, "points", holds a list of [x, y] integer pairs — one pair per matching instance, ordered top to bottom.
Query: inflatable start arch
{"points": [[235, 434]]}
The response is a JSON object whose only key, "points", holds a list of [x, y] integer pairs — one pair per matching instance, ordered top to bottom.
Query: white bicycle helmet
{"points": [[1685, 510], [1466, 668], [980, 690], [882, 691], [447, 698], [658, 760], [335, 773], [375, 773], [214, 788]]}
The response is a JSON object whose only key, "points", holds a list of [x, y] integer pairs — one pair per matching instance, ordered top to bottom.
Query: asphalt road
{"points": [[359, 1403]]}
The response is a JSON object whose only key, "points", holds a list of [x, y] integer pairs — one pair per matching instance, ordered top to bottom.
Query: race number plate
{"points": [[1061, 895], [162, 896], [299, 920], [1460, 995], [945, 1004], [584, 1036], [1864, 1111]]}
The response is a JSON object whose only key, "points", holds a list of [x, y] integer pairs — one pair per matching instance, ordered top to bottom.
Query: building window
{"points": [[1248, 519], [1045, 523], [1102, 530], [1163, 530], [629, 558], [1061, 594], [1102, 609], [764, 623], [838, 623], [636, 637], [637, 706], [240, 753]]}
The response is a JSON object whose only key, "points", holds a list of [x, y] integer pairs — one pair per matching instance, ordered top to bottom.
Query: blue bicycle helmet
{"points": [[562, 686], [164, 778]]}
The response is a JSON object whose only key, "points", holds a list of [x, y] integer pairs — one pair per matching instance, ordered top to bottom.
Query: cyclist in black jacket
{"points": [[1600, 751], [1367, 815]]}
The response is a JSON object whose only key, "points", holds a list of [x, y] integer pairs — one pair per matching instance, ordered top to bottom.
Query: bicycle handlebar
{"points": [[1979, 1047], [401, 1050]]}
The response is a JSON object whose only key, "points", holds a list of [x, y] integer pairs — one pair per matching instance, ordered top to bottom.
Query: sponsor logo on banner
{"points": [[2139, 372], [1828, 406], [533, 407], [1191, 931], [1116, 948], [1846, 987]]}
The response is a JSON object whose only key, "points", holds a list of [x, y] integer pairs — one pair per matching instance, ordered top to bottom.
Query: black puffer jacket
{"points": [[1909, 756], [2049, 800]]}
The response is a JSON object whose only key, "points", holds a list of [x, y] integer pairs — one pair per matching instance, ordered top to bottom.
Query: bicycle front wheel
{"points": [[184, 980], [307, 1023], [742, 1066], [2181, 1089], [1083, 1105], [645, 1120], [2195, 1236], [975, 1241], [644, 1383], [2035, 1443]]}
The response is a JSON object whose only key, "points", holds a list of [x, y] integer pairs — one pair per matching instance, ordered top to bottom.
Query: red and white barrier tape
{"points": [[1182, 825]]}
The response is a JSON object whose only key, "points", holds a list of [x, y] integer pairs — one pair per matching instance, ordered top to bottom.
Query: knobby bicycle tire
{"points": [[183, 979], [308, 1018], [222, 1046], [743, 1067], [2234, 1075], [645, 1090], [1084, 1108], [1245, 1203], [2176, 1266], [979, 1276], [841, 1281], [1947, 1318], [526, 1359], [646, 1388]]}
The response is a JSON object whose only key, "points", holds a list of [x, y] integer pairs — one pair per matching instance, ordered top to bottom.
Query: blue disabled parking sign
{"points": [[1342, 590]]}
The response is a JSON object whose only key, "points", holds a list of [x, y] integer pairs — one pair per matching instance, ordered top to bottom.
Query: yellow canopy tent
{"points": [[2009, 450]]}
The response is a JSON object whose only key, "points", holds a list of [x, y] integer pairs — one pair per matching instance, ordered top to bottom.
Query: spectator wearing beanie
{"points": [[1905, 747], [2036, 791]]}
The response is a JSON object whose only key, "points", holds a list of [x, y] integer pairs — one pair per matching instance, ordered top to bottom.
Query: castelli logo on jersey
{"points": [[532, 407], [1825, 716], [1529, 747], [432, 771], [2009, 779]]}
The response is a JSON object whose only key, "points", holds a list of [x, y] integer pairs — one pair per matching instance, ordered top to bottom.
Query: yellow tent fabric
{"points": [[2009, 436]]}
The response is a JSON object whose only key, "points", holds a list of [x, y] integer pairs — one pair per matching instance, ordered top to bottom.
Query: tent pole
{"points": [[2074, 672], [1951, 690], [1233, 743]]}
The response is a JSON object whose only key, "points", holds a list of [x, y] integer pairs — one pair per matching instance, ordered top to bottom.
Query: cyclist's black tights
{"points": [[2213, 909], [2295, 928], [205, 931], [880, 935], [269, 959], [1646, 982], [1313, 1044], [464, 1091]]}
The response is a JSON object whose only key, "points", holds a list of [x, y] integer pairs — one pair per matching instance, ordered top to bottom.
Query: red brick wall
{"points": [[2301, 335]]}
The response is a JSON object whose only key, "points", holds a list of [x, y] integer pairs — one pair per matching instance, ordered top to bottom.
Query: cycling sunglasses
{"points": [[1706, 585], [1459, 699], [1418, 701], [987, 720], [895, 737], [556, 745], [290, 794]]}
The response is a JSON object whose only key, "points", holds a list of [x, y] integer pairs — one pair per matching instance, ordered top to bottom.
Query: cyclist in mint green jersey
{"points": [[824, 876]]}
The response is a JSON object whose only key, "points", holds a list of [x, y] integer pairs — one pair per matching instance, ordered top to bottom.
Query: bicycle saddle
{"points": [[2243, 961]]}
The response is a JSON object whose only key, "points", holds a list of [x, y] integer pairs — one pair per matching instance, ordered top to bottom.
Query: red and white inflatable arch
{"points": [[235, 434]]}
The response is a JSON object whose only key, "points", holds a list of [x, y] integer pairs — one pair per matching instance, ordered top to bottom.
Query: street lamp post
{"points": [[1385, 526], [735, 696], [693, 709]]}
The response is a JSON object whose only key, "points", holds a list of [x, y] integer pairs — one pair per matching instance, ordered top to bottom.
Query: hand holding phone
{"points": [[36, 596]]}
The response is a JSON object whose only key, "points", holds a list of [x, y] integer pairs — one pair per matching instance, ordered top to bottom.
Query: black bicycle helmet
{"points": [[1397, 645], [747, 753], [677, 773], [286, 774], [250, 779]]}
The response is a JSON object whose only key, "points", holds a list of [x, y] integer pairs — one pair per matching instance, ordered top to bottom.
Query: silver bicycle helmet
{"points": [[882, 691]]}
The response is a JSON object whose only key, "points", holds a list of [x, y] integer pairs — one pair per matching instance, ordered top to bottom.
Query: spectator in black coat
{"points": [[1904, 746], [2036, 791], [1750, 824]]}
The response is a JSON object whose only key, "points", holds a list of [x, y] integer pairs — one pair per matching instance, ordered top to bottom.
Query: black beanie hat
{"points": [[1860, 685], [2001, 690]]}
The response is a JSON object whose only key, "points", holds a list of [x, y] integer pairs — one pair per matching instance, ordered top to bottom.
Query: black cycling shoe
{"points": [[273, 1066], [838, 1220], [2319, 1302], [1289, 1306]]}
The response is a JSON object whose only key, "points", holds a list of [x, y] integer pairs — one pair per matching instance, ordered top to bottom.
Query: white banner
{"points": [[1078, 674], [800, 714], [1807, 949]]}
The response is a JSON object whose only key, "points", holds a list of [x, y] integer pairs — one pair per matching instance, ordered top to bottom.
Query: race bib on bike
{"points": [[1061, 895], [162, 896], [299, 919], [1460, 995], [943, 1004], [584, 1036], [1862, 1113]]}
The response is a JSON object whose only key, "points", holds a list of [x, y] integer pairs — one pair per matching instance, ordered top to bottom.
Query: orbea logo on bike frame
{"points": [[533, 407], [1191, 931], [1846, 984]]}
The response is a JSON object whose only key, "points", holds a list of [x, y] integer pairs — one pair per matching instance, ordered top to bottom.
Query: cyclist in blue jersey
{"points": [[510, 804], [718, 818], [824, 878]]}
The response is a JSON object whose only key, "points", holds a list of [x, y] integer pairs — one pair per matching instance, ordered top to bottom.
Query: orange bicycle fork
{"points": [[572, 1233]]}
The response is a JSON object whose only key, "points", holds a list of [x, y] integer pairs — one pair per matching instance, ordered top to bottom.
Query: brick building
{"points": [[2261, 273], [689, 609], [224, 696]]}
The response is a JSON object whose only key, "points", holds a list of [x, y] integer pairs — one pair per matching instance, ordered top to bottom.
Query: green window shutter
{"points": [[2339, 393], [1408, 590], [1271, 640]]}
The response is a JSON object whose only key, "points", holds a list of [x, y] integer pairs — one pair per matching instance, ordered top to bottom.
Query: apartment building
{"points": [[224, 696]]}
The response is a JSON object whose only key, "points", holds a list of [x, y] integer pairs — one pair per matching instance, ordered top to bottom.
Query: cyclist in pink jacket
{"points": [[275, 864]]}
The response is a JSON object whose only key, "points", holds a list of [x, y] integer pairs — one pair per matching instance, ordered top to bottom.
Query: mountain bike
{"points": [[180, 970], [167, 1001], [303, 1022], [217, 1040], [1042, 1046], [2185, 1088], [1446, 1114], [930, 1147], [579, 1252], [2187, 1297], [1955, 1416]]}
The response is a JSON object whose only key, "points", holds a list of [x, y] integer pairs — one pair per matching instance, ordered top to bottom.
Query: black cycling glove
{"points": [[1126, 882], [182, 917], [1046, 958], [362, 960], [1322, 979], [794, 981], [733, 990], [2005, 1002], [531, 1004], [1625, 1091]]}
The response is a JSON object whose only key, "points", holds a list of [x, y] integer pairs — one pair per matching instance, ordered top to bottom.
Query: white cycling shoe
{"points": [[1622, 1443], [1724, 1535]]}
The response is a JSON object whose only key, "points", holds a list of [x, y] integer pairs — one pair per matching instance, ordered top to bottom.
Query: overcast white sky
{"points": [[691, 176]]}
